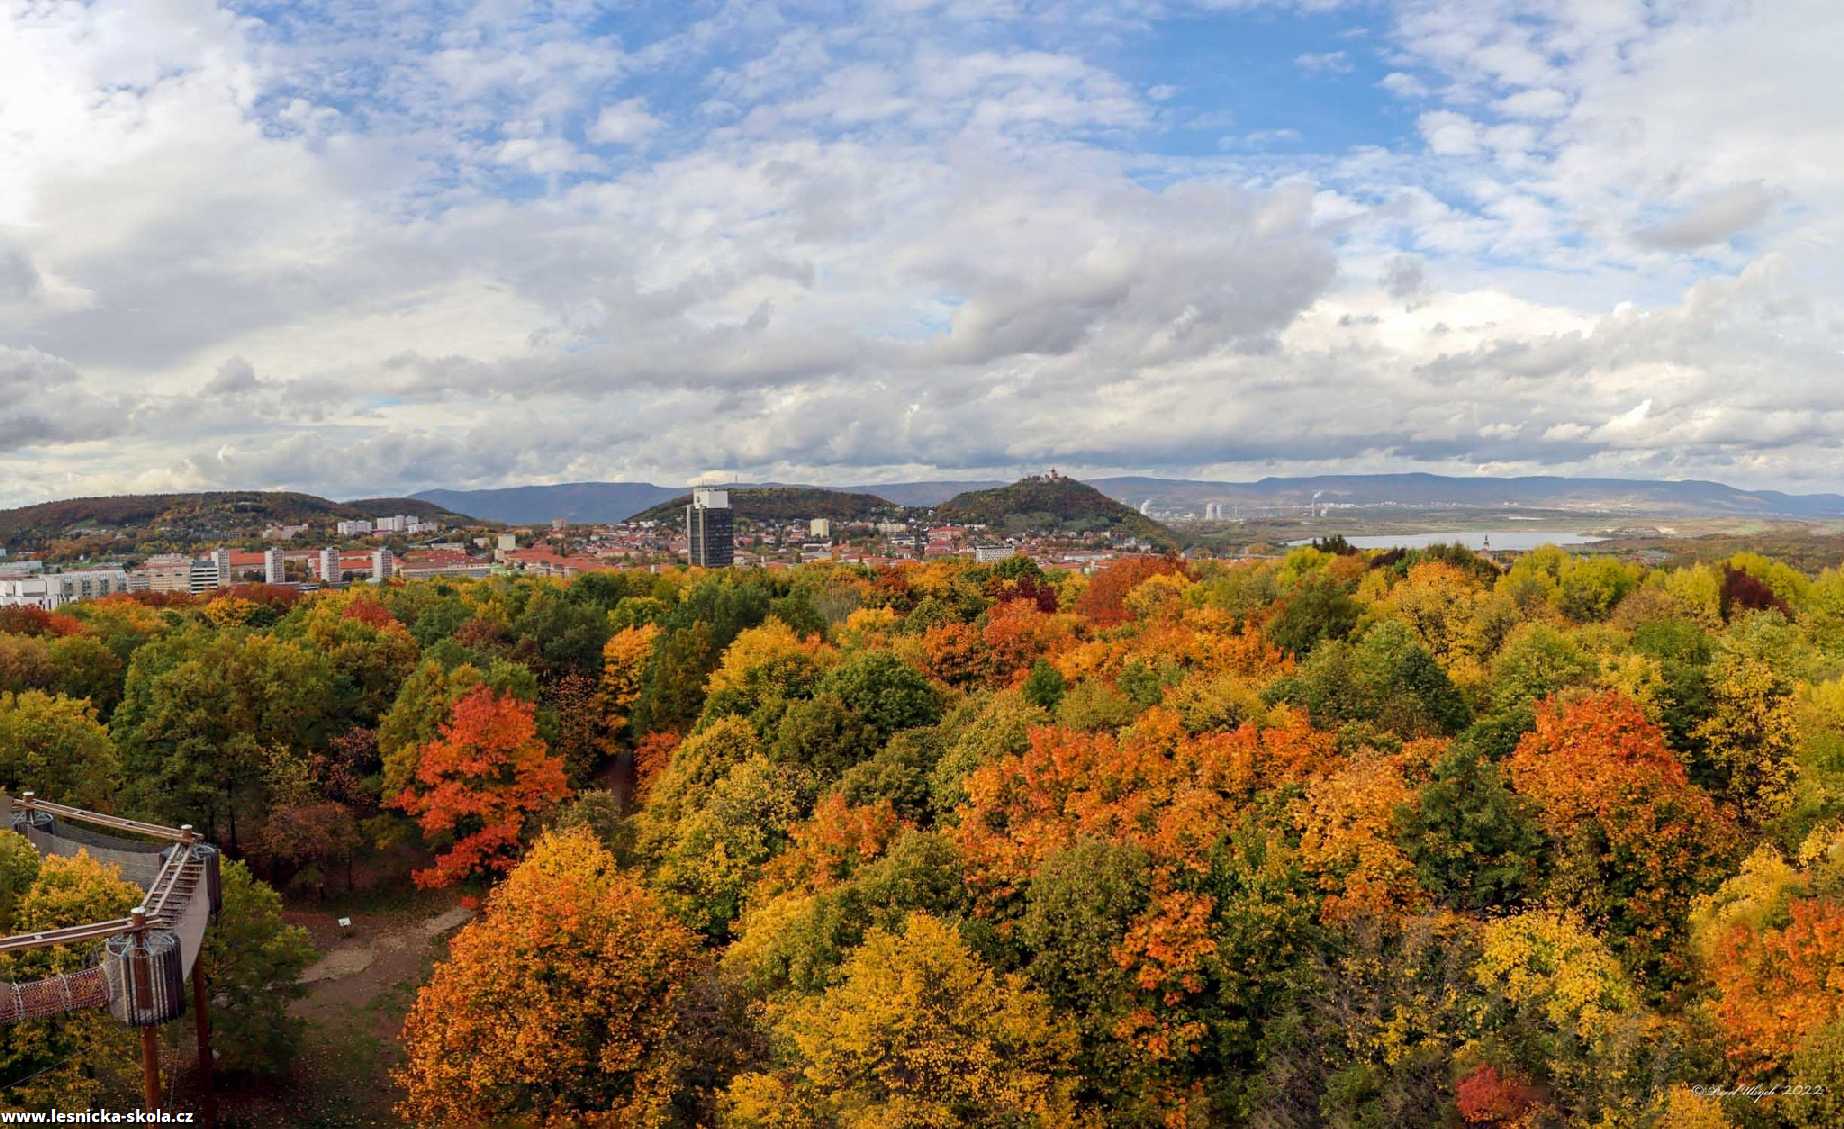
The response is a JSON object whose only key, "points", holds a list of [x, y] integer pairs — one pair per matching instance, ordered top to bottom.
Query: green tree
{"points": [[1318, 608], [1538, 660], [83, 666], [1386, 679], [1044, 686], [887, 692], [194, 734], [825, 736], [54, 746], [1475, 843], [718, 851], [18, 871], [795, 942], [253, 962]]}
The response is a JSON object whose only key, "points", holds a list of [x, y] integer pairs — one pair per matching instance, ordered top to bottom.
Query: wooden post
{"points": [[199, 1005], [201, 1009], [150, 1038], [150, 1069]]}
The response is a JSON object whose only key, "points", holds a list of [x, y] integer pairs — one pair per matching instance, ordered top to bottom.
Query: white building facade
{"points": [[52, 590]]}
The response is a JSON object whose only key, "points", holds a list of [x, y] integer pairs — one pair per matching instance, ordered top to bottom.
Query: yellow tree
{"points": [[1436, 600], [767, 661], [624, 665], [1752, 733], [1348, 837], [565, 1003], [919, 1032], [85, 1059]]}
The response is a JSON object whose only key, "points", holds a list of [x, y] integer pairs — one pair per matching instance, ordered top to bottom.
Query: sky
{"points": [[367, 247]]}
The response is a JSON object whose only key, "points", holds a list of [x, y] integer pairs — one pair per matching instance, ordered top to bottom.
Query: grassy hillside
{"points": [[785, 503], [1044, 504], [135, 523]]}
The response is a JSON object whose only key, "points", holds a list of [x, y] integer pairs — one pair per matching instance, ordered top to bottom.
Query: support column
{"points": [[200, 996], [201, 1012], [150, 1037], [150, 1068]]}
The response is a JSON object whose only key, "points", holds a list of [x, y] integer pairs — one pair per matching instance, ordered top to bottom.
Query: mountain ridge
{"points": [[614, 501]]}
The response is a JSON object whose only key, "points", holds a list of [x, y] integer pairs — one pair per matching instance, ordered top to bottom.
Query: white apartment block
{"points": [[354, 528], [52, 590]]}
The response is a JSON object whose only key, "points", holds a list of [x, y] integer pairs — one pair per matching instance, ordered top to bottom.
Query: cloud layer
{"points": [[358, 248]]}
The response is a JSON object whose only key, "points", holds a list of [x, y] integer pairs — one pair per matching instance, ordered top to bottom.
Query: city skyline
{"points": [[362, 249]]}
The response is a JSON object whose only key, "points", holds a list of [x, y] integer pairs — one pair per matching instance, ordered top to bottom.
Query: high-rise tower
{"points": [[709, 530]]}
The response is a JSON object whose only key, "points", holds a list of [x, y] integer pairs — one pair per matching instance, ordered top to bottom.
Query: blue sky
{"points": [[361, 246]]}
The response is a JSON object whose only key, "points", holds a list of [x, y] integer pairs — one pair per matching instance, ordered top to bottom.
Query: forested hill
{"points": [[785, 503], [1052, 504], [127, 521]]}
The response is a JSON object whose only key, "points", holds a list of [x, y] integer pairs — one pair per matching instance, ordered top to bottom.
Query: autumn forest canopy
{"points": [[1358, 839]]}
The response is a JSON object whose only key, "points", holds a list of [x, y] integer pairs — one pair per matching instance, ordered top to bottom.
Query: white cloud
{"points": [[1325, 62], [1404, 85], [624, 123], [1449, 134], [1712, 218], [381, 248]]}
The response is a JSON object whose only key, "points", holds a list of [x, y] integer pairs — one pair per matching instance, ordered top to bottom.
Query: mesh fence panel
{"points": [[139, 862]]}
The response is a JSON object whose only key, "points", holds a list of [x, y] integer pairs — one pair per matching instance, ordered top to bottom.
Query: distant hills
{"points": [[1596, 495], [614, 501], [594, 502], [585, 503], [784, 503], [1051, 504], [126, 522], [99, 526]]}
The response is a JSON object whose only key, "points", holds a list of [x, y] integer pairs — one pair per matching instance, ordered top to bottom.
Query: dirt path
{"points": [[359, 968], [357, 995]]}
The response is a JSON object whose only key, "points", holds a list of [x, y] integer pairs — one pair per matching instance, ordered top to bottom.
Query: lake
{"points": [[1471, 538]]}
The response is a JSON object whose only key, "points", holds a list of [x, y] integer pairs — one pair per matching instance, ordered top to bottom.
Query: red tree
{"points": [[1104, 600], [480, 781]]}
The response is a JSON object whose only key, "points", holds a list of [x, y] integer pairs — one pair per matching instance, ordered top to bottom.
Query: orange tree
{"points": [[479, 782], [1636, 840], [566, 1003]]}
